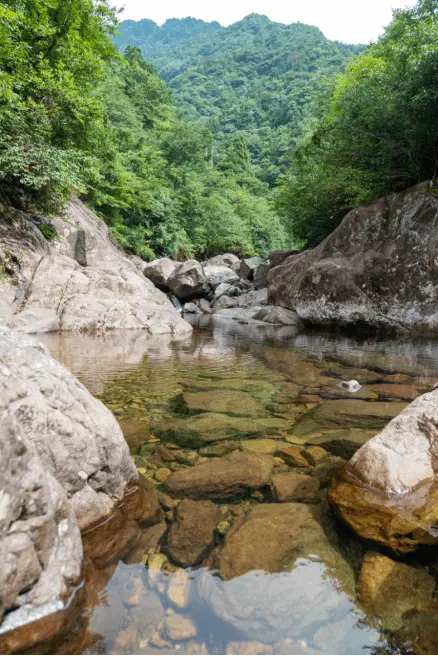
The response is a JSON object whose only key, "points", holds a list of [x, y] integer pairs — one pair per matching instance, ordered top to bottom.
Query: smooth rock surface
{"points": [[377, 268], [59, 286], [279, 316], [77, 439], [223, 478]]}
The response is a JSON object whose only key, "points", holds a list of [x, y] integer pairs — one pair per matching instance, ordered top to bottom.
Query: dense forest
{"points": [[256, 79], [193, 139]]}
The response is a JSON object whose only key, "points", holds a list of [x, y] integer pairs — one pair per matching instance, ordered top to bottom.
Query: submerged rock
{"points": [[377, 268], [224, 478], [289, 486], [191, 536], [273, 537], [388, 589]]}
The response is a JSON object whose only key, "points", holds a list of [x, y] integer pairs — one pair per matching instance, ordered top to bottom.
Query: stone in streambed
{"points": [[159, 272], [189, 281], [226, 401], [345, 414], [213, 426], [261, 446], [293, 455], [226, 477], [290, 486], [191, 536], [179, 587], [388, 589], [179, 627]]}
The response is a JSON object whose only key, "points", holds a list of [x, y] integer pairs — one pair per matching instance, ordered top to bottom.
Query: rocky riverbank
{"points": [[376, 270]]}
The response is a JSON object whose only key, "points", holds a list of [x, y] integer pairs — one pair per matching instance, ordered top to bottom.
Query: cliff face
{"points": [[379, 268], [76, 280]]}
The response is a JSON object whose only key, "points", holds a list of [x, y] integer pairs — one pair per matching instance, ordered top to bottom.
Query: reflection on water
{"points": [[234, 387]]}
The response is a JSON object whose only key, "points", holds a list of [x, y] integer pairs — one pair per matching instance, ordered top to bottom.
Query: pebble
{"points": [[162, 474], [223, 527], [133, 592]]}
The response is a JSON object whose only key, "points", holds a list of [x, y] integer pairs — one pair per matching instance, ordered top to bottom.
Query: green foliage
{"points": [[52, 53], [255, 80], [379, 133], [158, 186], [48, 232]]}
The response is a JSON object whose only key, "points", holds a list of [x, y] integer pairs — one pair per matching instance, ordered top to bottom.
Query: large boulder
{"points": [[277, 257], [227, 259], [248, 267], [377, 268], [159, 271], [217, 275], [261, 275], [80, 281], [189, 281], [77, 439], [223, 478], [388, 490], [40, 542]]}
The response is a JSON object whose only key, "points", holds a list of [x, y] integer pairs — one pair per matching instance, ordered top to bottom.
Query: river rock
{"points": [[227, 259], [248, 267], [377, 268], [159, 271], [217, 275], [261, 276], [189, 281], [54, 288], [191, 308], [279, 316], [231, 401], [345, 414], [213, 426], [77, 439], [398, 468], [223, 478], [289, 486], [191, 536], [271, 539], [40, 542], [388, 589], [179, 627]]}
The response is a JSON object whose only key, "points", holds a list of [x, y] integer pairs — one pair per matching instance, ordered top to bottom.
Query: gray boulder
{"points": [[277, 257], [227, 259], [248, 267], [377, 268], [159, 271], [217, 275], [261, 275], [81, 281], [189, 281], [225, 301], [191, 308], [278, 315], [77, 439], [40, 542]]}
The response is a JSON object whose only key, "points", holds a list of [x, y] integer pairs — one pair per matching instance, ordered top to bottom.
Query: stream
{"points": [[226, 388]]}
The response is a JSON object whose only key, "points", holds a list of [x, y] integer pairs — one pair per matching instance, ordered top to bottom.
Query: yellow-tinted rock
{"points": [[293, 455], [388, 589]]}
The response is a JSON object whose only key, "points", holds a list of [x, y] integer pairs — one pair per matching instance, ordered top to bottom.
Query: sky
{"points": [[351, 21]]}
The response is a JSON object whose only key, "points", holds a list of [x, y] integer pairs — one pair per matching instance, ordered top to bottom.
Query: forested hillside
{"points": [[255, 79], [77, 116], [379, 133]]}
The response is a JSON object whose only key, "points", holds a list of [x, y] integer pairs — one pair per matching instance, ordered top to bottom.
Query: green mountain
{"points": [[255, 79]]}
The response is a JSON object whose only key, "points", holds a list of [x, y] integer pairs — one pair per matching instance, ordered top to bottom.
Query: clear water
{"points": [[311, 609]]}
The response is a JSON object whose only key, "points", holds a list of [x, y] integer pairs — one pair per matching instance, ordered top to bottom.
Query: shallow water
{"points": [[231, 383]]}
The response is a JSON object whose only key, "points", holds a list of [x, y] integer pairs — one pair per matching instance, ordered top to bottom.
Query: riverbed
{"points": [[231, 387]]}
